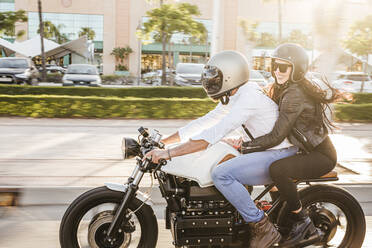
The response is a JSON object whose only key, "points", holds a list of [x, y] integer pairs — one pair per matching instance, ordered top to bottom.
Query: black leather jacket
{"points": [[296, 121]]}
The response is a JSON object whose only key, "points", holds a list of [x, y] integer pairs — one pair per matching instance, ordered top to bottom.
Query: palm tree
{"points": [[8, 20], [51, 31], [89, 32], [121, 53]]}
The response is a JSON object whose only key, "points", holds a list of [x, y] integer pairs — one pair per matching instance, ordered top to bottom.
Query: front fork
{"points": [[130, 192]]}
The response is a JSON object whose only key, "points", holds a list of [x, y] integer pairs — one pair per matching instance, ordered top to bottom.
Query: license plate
{"points": [[5, 79]]}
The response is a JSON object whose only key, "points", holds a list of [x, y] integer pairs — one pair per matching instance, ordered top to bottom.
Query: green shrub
{"points": [[54, 77], [110, 78], [118, 79], [141, 92], [359, 98], [98, 107], [353, 112]]}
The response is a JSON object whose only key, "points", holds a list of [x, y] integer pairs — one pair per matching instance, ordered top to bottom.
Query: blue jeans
{"points": [[249, 169]]}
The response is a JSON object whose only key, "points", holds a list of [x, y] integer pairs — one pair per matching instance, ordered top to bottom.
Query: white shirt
{"points": [[248, 106]]}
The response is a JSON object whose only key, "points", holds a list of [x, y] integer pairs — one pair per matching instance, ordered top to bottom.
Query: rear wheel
{"points": [[335, 212], [88, 218]]}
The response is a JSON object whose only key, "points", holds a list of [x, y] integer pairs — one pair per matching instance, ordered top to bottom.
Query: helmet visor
{"points": [[212, 79]]}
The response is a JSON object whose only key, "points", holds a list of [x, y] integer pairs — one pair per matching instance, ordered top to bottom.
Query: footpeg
{"points": [[311, 239]]}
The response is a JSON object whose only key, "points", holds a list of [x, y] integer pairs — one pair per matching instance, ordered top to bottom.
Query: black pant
{"points": [[318, 162]]}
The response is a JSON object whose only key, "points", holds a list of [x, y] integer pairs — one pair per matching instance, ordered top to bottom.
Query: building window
{"points": [[7, 5], [68, 24]]}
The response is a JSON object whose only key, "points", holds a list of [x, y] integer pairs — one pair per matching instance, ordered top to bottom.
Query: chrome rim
{"points": [[332, 221], [94, 224]]}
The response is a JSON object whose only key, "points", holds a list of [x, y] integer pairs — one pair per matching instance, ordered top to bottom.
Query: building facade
{"points": [[115, 23]]}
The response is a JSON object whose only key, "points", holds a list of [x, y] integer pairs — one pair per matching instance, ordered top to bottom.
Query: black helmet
{"points": [[295, 55]]}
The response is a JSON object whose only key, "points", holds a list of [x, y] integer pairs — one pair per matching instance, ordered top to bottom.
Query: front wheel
{"points": [[335, 212], [88, 218]]}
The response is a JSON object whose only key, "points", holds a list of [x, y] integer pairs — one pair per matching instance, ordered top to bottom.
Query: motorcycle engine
{"points": [[207, 218]]}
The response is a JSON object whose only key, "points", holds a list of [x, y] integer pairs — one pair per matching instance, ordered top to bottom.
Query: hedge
{"points": [[54, 77], [118, 79], [140, 92], [360, 98], [98, 107], [353, 112]]}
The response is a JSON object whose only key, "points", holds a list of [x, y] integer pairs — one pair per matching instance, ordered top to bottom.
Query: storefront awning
{"points": [[32, 47]]}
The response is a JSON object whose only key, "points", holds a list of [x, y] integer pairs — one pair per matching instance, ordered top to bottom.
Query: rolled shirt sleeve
{"points": [[238, 115], [206, 121]]}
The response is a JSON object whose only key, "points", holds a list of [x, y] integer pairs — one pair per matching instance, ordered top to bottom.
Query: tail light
{"points": [[348, 82]]}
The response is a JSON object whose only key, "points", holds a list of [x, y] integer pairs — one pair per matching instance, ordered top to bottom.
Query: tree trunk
{"points": [[280, 20], [41, 27], [163, 41], [163, 55], [170, 63]]}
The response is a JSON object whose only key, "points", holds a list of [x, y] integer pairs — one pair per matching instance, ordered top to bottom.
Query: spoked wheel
{"points": [[336, 214], [86, 222]]}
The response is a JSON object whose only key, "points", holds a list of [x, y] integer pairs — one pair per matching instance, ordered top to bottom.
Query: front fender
{"points": [[123, 188]]}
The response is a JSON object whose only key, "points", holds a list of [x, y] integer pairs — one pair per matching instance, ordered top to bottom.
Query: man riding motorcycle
{"points": [[226, 78]]}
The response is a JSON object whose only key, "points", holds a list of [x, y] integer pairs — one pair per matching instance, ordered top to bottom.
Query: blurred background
{"points": [[78, 75]]}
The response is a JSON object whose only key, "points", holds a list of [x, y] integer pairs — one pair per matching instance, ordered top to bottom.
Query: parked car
{"points": [[53, 69], [18, 70], [81, 74], [188, 74], [256, 76], [151, 77], [353, 82]]}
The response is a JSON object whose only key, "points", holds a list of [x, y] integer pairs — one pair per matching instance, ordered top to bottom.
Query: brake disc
{"points": [[98, 229]]}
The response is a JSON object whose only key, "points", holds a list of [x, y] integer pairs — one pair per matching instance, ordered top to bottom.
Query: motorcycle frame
{"points": [[146, 166]]}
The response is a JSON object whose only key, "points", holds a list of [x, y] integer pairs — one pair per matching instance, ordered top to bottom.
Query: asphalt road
{"points": [[86, 152], [38, 227]]}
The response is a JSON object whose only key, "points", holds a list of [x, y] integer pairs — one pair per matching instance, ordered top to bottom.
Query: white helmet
{"points": [[224, 72]]}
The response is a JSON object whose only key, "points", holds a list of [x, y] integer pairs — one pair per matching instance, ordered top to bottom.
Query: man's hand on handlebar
{"points": [[156, 155]]}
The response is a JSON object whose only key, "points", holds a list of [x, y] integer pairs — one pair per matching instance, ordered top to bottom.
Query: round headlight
{"points": [[130, 148]]}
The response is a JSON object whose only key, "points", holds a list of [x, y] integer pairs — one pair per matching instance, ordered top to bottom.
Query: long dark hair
{"points": [[318, 95]]}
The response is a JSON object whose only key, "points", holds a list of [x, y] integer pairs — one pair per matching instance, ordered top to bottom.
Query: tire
{"points": [[85, 202], [356, 224]]}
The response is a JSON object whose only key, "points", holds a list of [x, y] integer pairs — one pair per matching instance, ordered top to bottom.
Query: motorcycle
{"points": [[197, 214]]}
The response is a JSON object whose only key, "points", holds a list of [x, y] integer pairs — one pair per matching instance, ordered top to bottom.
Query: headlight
{"points": [[24, 75], [130, 148]]}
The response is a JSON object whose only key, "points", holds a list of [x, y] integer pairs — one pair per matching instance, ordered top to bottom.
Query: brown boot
{"points": [[264, 234]]}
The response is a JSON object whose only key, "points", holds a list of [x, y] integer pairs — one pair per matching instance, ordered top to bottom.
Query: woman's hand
{"points": [[236, 143], [157, 154]]}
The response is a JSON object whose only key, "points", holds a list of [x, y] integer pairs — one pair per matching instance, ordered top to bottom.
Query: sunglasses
{"points": [[282, 67]]}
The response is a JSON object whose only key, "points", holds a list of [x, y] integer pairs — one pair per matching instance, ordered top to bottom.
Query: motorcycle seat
{"points": [[330, 174]]}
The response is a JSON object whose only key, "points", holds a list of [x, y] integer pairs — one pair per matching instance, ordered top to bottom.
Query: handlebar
{"points": [[162, 162]]}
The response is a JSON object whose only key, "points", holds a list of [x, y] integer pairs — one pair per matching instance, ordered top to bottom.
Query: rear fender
{"points": [[123, 188]]}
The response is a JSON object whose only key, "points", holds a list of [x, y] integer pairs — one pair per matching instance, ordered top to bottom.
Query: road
{"points": [[87, 152], [55, 154], [38, 227]]}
